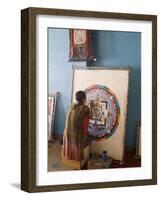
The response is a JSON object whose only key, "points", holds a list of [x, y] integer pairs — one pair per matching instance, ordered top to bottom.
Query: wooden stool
{"points": [[74, 164]]}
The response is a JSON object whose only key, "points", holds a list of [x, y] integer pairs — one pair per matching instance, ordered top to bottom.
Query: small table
{"points": [[74, 164]]}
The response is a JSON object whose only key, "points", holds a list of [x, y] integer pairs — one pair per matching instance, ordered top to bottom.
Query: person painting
{"points": [[76, 128]]}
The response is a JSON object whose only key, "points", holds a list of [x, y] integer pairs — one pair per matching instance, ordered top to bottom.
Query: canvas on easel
{"points": [[107, 96]]}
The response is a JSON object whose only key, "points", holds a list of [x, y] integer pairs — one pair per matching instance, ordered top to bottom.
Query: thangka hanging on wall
{"points": [[80, 45], [105, 111]]}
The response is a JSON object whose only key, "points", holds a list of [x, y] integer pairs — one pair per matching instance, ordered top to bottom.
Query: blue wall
{"points": [[110, 49], [60, 73]]}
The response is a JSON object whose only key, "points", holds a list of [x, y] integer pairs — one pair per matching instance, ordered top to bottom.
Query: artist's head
{"points": [[80, 96]]}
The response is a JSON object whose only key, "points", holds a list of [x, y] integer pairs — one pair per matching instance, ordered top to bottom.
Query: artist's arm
{"points": [[89, 113], [87, 117]]}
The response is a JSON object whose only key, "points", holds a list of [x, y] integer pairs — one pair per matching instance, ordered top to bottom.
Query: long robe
{"points": [[74, 133]]}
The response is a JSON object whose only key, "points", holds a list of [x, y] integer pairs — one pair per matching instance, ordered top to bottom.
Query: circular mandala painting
{"points": [[105, 111]]}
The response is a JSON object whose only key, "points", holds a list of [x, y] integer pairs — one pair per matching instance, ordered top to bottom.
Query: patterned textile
{"points": [[74, 132]]}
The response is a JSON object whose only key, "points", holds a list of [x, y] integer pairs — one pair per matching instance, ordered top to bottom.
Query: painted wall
{"points": [[110, 49], [60, 73]]}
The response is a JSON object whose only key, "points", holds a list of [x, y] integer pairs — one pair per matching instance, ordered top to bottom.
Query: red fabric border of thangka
{"points": [[73, 48]]}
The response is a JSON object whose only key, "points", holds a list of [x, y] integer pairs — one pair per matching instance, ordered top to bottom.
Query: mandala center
{"points": [[105, 111]]}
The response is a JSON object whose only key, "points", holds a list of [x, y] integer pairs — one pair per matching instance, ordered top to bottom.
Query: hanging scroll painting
{"points": [[80, 45], [107, 96]]}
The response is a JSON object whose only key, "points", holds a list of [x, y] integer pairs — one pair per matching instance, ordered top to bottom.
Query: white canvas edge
{"points": [[43, 177]]}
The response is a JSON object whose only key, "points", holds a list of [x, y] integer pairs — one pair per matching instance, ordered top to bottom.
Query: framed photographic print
{"points": [[104, 67]]}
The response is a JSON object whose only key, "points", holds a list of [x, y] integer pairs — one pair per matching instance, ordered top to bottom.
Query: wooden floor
{"points": [[55, 163]]}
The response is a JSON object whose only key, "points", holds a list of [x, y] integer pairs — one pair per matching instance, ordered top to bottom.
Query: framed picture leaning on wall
{"points": [[52, 99]]}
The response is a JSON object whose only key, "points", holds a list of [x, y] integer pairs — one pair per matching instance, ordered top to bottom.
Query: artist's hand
{"points": [[90, 116]]}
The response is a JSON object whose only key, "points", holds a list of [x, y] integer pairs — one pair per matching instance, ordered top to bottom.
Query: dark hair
{"points": [[80, 95]]}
